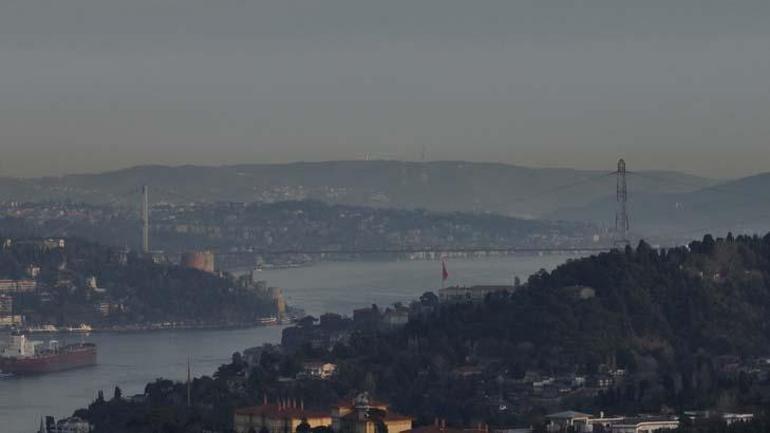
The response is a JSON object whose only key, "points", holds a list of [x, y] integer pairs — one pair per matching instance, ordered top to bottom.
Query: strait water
{"points": [[132, 360]]}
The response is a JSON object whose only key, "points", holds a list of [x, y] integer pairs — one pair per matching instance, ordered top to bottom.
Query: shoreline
{"points": [[151, 328]]}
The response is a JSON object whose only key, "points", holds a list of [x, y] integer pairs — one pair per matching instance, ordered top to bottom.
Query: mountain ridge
{"points": [[438, 186]]}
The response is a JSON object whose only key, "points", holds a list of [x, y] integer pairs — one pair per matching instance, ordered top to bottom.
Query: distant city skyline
{"points": [[98, 85]]}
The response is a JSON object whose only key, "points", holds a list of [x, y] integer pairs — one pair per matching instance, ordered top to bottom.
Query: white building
{"points": [[18, 286], [470, 294], [396, 318], [7, 320], [319, 370], [732, 418], [568, 421], [68, 425], [645, 425]]}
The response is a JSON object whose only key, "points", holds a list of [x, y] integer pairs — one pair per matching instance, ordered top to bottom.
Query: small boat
{"points": [[267, 321], [83, 328], [42, 329], [4, 375]]}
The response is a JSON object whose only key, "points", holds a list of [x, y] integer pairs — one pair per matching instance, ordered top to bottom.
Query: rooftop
{"points": [[274, 410], [570, 414], [642, 420], [439, 429]]}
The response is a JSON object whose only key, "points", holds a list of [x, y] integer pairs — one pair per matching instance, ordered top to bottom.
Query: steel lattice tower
{"points": [[621, 213]]}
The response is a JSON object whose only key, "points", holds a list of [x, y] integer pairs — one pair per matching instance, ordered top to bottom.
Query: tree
{"points": [[429, 299], [306, 322], [118, 395], [304, 427]]}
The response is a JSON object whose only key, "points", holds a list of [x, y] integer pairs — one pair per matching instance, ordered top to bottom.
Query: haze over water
{"points": [[132, 360]]}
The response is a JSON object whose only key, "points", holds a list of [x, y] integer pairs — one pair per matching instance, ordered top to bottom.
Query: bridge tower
{"points": [[621, 212], [145, 219]]}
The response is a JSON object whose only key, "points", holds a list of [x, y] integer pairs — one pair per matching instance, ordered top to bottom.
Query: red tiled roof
{"points": [[348, 404], [273, 410], [389, 416], [397, 417], [437, 429]]}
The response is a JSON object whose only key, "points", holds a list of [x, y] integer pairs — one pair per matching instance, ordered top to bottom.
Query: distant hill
{"points": [[438, 186], [742, 206], [294, 226], [132, 290]]}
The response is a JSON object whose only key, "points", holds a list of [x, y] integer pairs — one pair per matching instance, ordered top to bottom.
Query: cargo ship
{"points": [[21, 356]]}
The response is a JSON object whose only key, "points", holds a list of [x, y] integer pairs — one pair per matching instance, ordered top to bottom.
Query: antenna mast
{"points": [[621, 213]]}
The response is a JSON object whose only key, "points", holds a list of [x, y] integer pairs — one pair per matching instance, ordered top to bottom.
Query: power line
{"points": [[560, 188]]}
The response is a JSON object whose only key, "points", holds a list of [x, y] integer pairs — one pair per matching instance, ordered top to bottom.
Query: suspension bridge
{"points": [[620, 235]]}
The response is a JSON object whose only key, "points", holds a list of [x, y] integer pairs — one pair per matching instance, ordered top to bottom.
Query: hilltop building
{"points": [[200, 260], [18, 286], [472, 294], [6, 305], [318, 369], [359, 416], [366, 416], [281, 417], [67, 425], [439, 426]]}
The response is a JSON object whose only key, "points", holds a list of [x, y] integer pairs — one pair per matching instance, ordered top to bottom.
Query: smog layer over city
{"points": [[427, 216]]}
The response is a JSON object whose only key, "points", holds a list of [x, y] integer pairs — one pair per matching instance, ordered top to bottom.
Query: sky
{"points": [[95, 85]]}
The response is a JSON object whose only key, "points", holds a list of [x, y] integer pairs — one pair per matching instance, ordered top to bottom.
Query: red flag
{"points": [[444, 272]]}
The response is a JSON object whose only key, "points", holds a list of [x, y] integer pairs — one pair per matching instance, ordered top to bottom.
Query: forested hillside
{"points": [[84, 282], [665, 317], [675, 330]]}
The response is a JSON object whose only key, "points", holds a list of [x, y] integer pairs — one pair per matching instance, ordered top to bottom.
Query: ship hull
{"points": [[67, 359]]}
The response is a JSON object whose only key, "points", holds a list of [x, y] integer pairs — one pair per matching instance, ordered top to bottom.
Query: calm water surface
{"points": [[132, 360]]}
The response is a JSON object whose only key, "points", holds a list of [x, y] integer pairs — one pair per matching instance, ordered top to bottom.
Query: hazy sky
{"points": [[90, 85]]}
